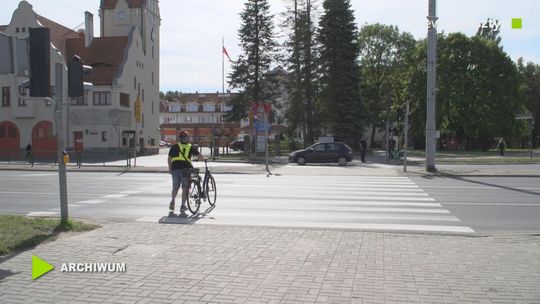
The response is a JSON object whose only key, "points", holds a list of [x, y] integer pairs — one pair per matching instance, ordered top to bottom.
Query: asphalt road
{"points": [[387, 203], [489, 204]]}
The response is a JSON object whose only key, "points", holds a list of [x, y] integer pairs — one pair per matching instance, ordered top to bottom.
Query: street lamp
{"points": [[431, 86]]}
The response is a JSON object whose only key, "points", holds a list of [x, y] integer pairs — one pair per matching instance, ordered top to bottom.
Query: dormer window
{"points": [[192, 107], [209, 107]]}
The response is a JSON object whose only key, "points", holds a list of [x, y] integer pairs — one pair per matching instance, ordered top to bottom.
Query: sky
{"points": [[192, 30]]}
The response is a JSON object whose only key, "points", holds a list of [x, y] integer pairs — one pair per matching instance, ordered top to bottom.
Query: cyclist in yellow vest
{"points": [[179, 161]]}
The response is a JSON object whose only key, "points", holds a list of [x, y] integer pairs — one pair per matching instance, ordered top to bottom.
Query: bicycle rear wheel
{"points": [[210, 190], [194, 199]]}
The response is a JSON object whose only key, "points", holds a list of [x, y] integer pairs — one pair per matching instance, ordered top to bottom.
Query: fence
{"points": [[93, 157]]}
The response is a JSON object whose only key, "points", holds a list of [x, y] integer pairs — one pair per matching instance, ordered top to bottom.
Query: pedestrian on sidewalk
{"points": [[501, 146], [363, 150], [29, 154], [180, 167]]}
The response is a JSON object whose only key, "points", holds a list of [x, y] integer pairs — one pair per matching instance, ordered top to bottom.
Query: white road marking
{"points": [[128, 192], [117, 195], [91, 202]]}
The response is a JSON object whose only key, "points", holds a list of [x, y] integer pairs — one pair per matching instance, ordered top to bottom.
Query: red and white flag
{"points": [[226, 54]]}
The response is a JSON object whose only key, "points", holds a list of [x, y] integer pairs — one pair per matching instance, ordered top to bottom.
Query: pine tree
{"points": [[301, 61], [250, 71], [340, 73]]}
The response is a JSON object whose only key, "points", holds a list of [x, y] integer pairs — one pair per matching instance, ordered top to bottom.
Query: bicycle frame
{"points": [[200, 189]]}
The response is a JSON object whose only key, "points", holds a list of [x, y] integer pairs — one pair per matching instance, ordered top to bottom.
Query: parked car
{"points": [[164, 143], [237, 145], [323, 153]]}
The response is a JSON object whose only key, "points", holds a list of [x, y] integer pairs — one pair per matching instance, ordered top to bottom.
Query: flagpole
{"points": [[223, 86]]}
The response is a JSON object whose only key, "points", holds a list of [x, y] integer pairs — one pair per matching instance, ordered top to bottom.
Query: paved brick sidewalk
{"points": [[231, 264]]}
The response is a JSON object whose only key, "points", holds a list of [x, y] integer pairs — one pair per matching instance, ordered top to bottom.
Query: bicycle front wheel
{"points": [[210, 190], [194, 199]]}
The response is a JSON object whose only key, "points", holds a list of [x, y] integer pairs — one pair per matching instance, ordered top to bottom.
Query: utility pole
{"points": [[431, 86]]}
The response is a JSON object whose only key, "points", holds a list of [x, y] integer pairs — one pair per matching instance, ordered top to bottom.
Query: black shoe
{"points": [[171, 206]]}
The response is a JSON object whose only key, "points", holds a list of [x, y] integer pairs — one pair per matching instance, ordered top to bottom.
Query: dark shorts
{"points": [[181, 177]]}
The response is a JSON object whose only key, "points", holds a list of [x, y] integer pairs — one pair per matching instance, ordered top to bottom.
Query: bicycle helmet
{"points": [[183, 136]]}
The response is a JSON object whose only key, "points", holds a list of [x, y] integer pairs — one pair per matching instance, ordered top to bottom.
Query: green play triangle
{"points": [[40, 267]]}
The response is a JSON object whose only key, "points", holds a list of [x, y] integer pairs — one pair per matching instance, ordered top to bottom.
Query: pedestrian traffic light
{"points": [[40, 64], [76, 71]]}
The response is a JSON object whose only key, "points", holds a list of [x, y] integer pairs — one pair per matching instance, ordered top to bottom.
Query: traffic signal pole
{"points": [[60, 144]]}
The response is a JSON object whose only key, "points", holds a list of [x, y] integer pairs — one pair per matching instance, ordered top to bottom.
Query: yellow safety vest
{"points": [[183, 155]]}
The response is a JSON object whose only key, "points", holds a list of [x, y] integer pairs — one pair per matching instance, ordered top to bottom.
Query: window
{"points": [[23, 29], [16, 30], [134, 83], [22, 92], [6, 94], [142, 95], [102, 98], [80, 100], [124, 100], [192, 107], [209, 107], [143, 120], [104, 136], [319, 147], [332, 147]]}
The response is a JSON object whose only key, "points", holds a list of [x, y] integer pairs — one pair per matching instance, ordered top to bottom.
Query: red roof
{"points": [[58, 33], [105, 55]]}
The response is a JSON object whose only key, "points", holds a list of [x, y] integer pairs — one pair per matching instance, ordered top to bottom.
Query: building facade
{"points": [[125, 62], [200, 114]]}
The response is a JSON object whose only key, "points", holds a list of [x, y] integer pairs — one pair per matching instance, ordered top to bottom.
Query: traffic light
{"points": [[40, 64], [76, 70]]}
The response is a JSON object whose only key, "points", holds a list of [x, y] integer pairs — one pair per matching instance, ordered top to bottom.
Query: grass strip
{"points": [[19, 232]]}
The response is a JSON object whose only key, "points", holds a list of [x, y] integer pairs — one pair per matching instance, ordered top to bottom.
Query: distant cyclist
{"points": [[180, 166]]}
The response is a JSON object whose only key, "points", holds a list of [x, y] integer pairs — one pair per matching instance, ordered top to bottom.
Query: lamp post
{"points": [[431, 86]]}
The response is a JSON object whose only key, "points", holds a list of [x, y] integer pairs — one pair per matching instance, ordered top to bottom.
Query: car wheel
{"points": [[301, 161], [342, 161]]}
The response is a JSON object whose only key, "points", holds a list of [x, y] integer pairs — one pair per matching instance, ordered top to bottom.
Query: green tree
{"points": [[385, 59], [301, 61], [250, 73], [340, 73], [477, 91], [530, 91], [170, 95]]}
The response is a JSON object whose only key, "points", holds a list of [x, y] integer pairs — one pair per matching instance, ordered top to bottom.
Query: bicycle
{"points": [[395, 154], [201, 189]]}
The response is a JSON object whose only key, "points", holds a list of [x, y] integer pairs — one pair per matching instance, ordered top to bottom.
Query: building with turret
{"points": [[125, 76]]}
